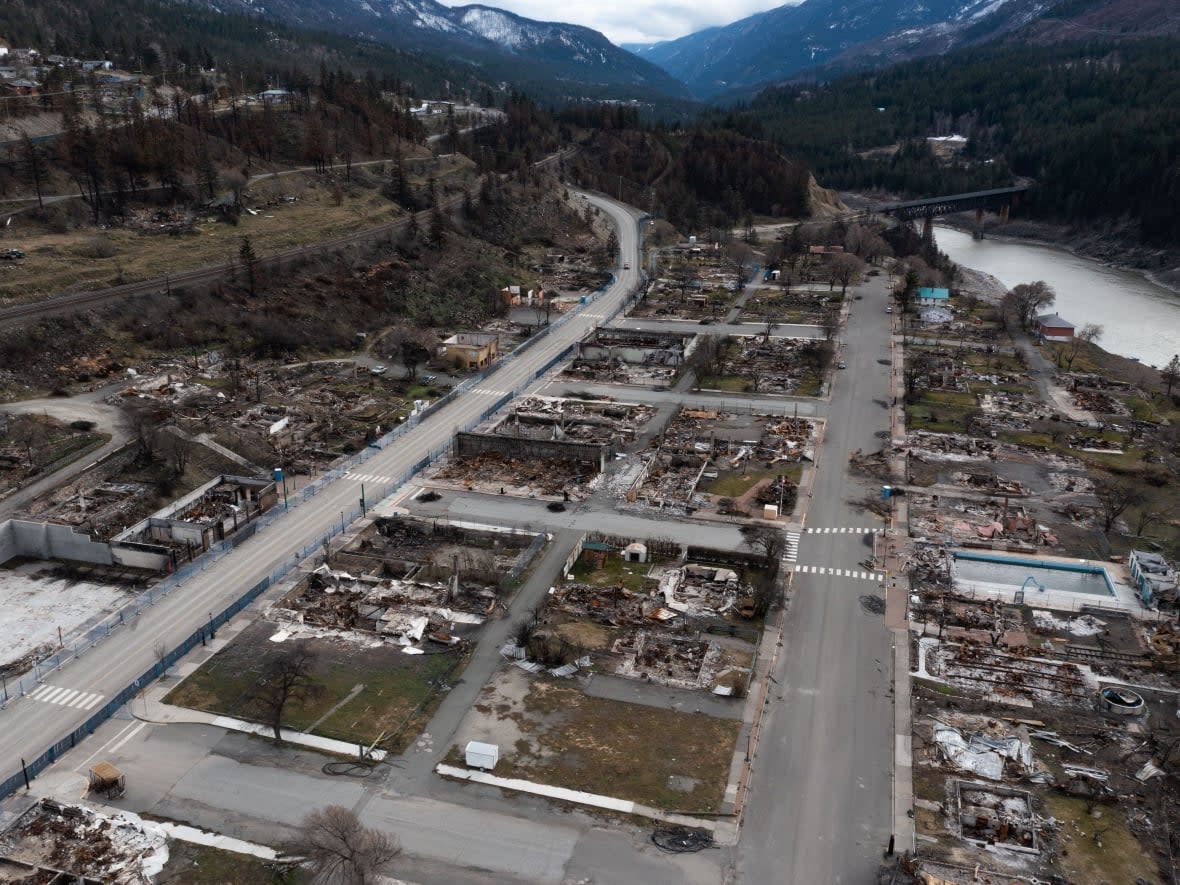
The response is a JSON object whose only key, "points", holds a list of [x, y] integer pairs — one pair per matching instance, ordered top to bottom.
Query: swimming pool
{"points": [[987, 568]]}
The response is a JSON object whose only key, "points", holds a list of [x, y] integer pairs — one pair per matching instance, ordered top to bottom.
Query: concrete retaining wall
{"points": [[592, 454], [44, 540], [47, 540]]}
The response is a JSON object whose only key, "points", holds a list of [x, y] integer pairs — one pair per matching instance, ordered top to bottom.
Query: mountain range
{"points": [[822, 38], [549, 58]]}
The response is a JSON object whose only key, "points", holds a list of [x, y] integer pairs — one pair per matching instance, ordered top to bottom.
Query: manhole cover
{"points": [[873, 605]]}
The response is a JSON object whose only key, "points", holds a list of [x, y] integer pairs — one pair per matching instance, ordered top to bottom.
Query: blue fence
{"points": [[177, 579]]}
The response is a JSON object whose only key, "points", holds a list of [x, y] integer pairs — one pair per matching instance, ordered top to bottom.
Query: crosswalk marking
{"points": [[484, 392], [376, 478], [850, 530], [792, 546], [838, 572], [66, 697]]}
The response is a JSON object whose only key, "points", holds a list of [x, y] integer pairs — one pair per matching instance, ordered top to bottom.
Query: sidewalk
{"points": [[897, 594], [150, 707]]}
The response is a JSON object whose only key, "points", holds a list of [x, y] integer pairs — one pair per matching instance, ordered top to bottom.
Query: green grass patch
{"points": [[728, 383], [942, 411], [734, 485], [615, 570], [940, 687], [399, 691], [670, 760], [1100, 849], [190, 864]]}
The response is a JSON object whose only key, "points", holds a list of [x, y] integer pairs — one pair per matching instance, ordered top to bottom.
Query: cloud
{"points": [[638, 21]]}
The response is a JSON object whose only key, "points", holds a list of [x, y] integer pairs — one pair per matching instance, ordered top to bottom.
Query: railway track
{"points": [[21, 313]]}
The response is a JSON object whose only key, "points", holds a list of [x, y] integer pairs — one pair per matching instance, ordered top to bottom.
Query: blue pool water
{"points": [[986, 568]]}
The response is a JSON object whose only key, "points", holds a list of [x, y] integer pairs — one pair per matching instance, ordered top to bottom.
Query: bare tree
{"points": [[34, 164], [236, 181], [737, 256], [249, 260], [845, 268], [1030, 298], [830, 323], [1088, 334], [412, 345], [1170, 373], [144, 419], [28, 432], [177, 449], [1114, 499], [1150, 516], [764, 539], [287, 678], [341, 850]]}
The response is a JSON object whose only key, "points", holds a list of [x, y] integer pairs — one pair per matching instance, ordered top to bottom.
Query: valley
{"points": [[443, 446]]}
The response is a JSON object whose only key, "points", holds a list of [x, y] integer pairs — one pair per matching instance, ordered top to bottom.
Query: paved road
{"points": [[778, 330], [803, 406], [87, 407], [583, 517], [29, 726], [234, 785], [820, 804]]}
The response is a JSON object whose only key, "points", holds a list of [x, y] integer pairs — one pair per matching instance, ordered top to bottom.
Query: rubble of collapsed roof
{"points": [[623, 356], [770, 365], [553, 418], [704, 444], [497, 473], [1001, 525], [407, 582], [402, 612], [656, 633], [673, 661], [1009, 678], [997, 816], [56, 843]]}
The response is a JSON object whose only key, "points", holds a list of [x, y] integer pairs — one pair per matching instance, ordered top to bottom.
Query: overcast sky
{"points": [[636, 21]]}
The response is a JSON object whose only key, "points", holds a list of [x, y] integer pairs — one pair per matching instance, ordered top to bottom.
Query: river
{"points": [[1138, 318]]}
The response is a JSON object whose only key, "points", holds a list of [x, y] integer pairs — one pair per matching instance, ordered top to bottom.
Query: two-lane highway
{"points": [[29, 726], [820, 802]]}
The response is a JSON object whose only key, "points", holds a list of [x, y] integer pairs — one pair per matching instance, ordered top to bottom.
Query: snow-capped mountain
{"points": [[503, 45], [775, 45]]}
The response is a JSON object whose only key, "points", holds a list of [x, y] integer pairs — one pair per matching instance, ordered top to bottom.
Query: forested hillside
{"points": [[181, 42], [1097, 126], [697, 179]]}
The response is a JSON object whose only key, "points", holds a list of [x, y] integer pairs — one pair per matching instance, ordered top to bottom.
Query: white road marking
{"points": [[838, 572], [66, 697], [114, 748]]}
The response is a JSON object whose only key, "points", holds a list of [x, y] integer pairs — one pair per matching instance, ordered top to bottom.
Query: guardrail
{"points": [[178, 578]]}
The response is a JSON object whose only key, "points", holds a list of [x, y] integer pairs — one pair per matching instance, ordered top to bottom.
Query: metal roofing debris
{"points": [[1051, 737], [981, 755], [1148, 771]]}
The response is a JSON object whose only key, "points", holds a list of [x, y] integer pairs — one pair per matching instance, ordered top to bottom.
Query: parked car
{"points": [[11, 254], [626, 267], [889, 310], [841, 365], [378, 370]]}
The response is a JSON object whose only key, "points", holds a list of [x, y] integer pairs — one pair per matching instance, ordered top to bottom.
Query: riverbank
{"points": [[1115, 248]]}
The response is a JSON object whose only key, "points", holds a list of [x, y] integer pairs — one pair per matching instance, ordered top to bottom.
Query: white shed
{"points": [[635, 552], [481, 755]]}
